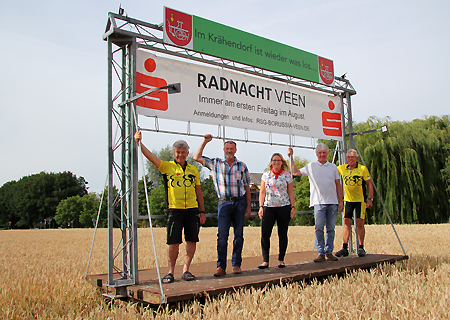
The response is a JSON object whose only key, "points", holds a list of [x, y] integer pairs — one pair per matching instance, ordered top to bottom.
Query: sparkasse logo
{"points": [[157, 100], [332, 122]]}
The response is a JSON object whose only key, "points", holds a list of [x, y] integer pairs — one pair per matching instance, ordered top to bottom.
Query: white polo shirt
{"points": [[322, 180]]}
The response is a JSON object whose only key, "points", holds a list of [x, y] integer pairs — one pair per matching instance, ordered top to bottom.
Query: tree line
{"points": [[409, 164], [32, 201]]}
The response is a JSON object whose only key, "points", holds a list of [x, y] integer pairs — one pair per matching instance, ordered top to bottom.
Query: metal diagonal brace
{"points": [[173, 88]]}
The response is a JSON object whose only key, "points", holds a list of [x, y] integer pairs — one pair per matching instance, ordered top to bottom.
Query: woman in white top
{"points": [[276, 204]]}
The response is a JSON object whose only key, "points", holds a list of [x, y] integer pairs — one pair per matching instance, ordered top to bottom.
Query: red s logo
{"points": [[156, 100], [331, 122]]}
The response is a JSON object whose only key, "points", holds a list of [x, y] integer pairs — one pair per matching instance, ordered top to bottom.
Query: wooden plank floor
{"points": [[299, 266]]}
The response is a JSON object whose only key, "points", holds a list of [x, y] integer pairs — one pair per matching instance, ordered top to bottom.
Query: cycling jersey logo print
{"points": [[181, 180], [189, 180], [353, 181]]}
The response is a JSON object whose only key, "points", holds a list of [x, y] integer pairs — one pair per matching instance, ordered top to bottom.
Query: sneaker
{"points": [[361, 252], [342, 253], [330, 257], [320, 258]]}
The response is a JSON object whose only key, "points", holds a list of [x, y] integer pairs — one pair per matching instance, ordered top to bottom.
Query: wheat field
{"points": [[42, 277]]}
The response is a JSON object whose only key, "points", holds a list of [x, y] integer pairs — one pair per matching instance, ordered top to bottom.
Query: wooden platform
{"points": [[299, 266]]}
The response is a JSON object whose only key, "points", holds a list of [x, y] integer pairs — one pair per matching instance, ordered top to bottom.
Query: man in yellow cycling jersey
{"points": [[356, 178], [184, 197]]}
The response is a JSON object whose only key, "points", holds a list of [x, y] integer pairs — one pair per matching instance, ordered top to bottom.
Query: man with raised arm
{"points": [[356, 178], [232, 185], [184, 195], [325, 197]]}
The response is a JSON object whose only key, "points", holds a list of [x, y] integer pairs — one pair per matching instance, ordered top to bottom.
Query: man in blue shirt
{"points": [[232, 185]]}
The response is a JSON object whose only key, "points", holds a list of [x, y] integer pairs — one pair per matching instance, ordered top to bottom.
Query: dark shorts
{"points": [[358, 207], [177, 219]]}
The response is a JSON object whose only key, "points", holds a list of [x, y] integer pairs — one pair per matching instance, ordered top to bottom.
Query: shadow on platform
{"points": [[299, 266]]}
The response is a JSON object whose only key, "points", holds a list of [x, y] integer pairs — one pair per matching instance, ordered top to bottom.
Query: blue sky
{"points": [[53, 80]]}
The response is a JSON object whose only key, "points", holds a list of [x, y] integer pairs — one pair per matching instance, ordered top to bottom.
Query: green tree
{"points": [[405, 164], [446, 175], [141, 194], [302, 196], [35, 198], [211, 201], [90, 203], [158, 205], [7, 206], [77, 211], [68, 212], [103, 219]]}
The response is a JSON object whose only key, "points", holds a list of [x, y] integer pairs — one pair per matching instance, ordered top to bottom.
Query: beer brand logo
{"points": [[178, 27], [326, 71]]}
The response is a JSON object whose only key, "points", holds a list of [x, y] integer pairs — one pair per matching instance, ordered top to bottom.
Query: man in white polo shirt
{"points": [[326, 198]]}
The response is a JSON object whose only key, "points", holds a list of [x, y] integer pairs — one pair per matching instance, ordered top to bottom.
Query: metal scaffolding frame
{"points": [[124, 36]]}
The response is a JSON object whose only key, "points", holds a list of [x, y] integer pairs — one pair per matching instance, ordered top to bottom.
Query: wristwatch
{"points": [[371, 199]]}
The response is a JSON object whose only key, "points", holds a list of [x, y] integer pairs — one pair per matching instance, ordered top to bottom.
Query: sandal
{"points": [[281, 264], [264, 265], [187, 276], [168, 278]]}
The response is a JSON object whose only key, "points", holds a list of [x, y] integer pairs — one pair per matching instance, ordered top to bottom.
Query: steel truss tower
{"points": [[124, 36]]}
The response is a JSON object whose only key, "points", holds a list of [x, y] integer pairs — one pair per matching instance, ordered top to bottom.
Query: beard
{"points": [[229, 156]]}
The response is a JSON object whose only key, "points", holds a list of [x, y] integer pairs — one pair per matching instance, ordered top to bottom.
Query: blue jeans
{"points": [[230, 212], [322, 213]]}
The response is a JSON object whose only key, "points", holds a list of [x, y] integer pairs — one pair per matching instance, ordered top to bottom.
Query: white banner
{"points": [[221, 97]]}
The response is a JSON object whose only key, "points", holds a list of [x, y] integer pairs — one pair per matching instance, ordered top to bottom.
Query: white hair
{"points": [[180, 144], [321, 147]]}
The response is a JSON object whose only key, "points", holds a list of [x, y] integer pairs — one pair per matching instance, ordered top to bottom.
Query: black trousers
{"points": [[282, 215]]}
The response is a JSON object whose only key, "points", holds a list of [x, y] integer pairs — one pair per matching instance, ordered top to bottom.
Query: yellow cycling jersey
{"points": [[354, 182], [180, 184]]}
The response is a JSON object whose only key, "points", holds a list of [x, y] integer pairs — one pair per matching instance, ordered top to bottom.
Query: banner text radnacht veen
{"points": [[221, 97]]}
